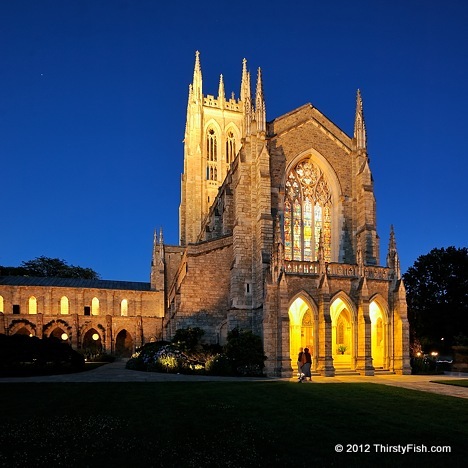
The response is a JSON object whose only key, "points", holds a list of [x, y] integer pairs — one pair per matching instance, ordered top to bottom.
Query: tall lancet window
{"points": [[230, 148], [211, 155], [307, 213]]}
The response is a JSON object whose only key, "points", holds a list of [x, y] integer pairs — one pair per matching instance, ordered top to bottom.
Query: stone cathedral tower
{"points": [[214, 130], [278, 235]]}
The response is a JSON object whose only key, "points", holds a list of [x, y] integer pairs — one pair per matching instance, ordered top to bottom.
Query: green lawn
{"points": [[457, 383], [214, 424]]}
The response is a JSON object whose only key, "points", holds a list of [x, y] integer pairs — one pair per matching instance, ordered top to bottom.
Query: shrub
{"points": [[188, 339], [246, 351], [24, 355], [219, 364]]}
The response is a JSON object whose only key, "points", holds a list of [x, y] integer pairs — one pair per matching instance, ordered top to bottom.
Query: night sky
{"points": [[93, 97]]}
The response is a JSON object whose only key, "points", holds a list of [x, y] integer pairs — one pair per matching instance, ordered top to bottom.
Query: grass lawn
{"points": [[457, 383], [218, 424]]}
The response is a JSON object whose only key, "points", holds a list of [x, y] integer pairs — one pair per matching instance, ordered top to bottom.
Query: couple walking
{"points": [[304, 362]]}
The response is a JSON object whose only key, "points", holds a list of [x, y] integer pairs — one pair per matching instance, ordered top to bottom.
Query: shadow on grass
{"points": [[456, 383], [213, 424]]}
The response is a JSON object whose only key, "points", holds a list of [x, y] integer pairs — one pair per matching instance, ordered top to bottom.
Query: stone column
{"points": [[364, 330], [109, 337], [324, 358]]}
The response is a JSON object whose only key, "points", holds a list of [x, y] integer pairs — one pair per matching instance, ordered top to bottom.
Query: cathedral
{"points": [[278, 235]]}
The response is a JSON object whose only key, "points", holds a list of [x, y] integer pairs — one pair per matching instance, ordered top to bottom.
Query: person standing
{"points": [[299, 362], [307, 363]]}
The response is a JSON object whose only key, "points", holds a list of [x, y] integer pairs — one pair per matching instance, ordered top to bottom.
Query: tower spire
{"points": [[197, 78], [221, 93], [246, 98], [260, 104], [360, 137], [393, 261]]}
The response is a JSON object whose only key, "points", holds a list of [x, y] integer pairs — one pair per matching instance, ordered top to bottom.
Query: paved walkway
{"points": [[116, 372]]}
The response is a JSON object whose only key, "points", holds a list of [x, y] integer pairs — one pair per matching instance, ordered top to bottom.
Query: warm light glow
{"points": [[32, 305], [64, 337], [95, 337], [434, 353], [418, 354]]}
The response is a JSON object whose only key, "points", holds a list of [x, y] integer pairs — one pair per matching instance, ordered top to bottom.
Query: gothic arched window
{"points": [[211, 146], [230, 148], [211, 155], [307, 213], [32, 305], [64, 305], [95, 306]]}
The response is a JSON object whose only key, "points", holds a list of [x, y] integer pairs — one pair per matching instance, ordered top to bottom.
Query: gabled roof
{"points": [[73, 283]]}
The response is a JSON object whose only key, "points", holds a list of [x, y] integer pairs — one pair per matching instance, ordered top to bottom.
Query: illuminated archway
{"points": [[342, 318], [302, 326], [57, 332], [378, 334]]}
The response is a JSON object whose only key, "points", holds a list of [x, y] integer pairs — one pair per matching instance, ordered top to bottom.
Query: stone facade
{"points": [[278, 235], [288, 247]]}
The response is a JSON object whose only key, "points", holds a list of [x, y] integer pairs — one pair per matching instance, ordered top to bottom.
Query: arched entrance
{"points": [[301, 330], [23, 331], [342, 335], [378, 342], [91, 343], [123, 344]]}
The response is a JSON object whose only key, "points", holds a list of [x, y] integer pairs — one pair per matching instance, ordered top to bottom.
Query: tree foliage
{"points": [[49, 267], [437, 297]]}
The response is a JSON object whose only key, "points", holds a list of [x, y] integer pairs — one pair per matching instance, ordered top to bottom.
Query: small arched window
{"points": [[211, 146], [230, 147], [1, 303], [32, 305], [64, 305], [95, 306], [124, 308]]}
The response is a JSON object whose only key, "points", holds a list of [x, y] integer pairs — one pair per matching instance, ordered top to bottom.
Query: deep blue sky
{"points": [[93, 96]]}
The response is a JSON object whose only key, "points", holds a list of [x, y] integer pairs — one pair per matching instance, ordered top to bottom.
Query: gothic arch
{"points": [[329, 216], [378, 314], [303, 324], [22, 327], [344, 329], [222, 332], [124, 343]]}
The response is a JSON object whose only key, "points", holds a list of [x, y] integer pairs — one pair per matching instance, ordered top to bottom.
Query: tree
{"points": [[49, 267], [437, 297]]}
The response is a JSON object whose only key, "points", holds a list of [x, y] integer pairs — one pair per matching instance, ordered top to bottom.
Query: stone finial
{"points": [[360, 137]]}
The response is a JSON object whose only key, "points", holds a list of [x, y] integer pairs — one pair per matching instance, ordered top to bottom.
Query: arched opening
{"points": [[32, 305], [64, 305], [95, 306], [124, 308], [301, 330], [23, 331], [342, 334], [377, 334], [91, 343], [123, 344]]}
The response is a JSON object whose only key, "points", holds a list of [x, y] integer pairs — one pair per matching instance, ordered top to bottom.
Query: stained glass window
{"points": [[307, 213]]}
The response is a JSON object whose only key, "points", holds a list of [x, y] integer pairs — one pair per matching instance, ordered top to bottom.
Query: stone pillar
{"points": [[2, 323], [39, 325], [364, 329], [75, 330], [109, 338], [324, 358]]}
